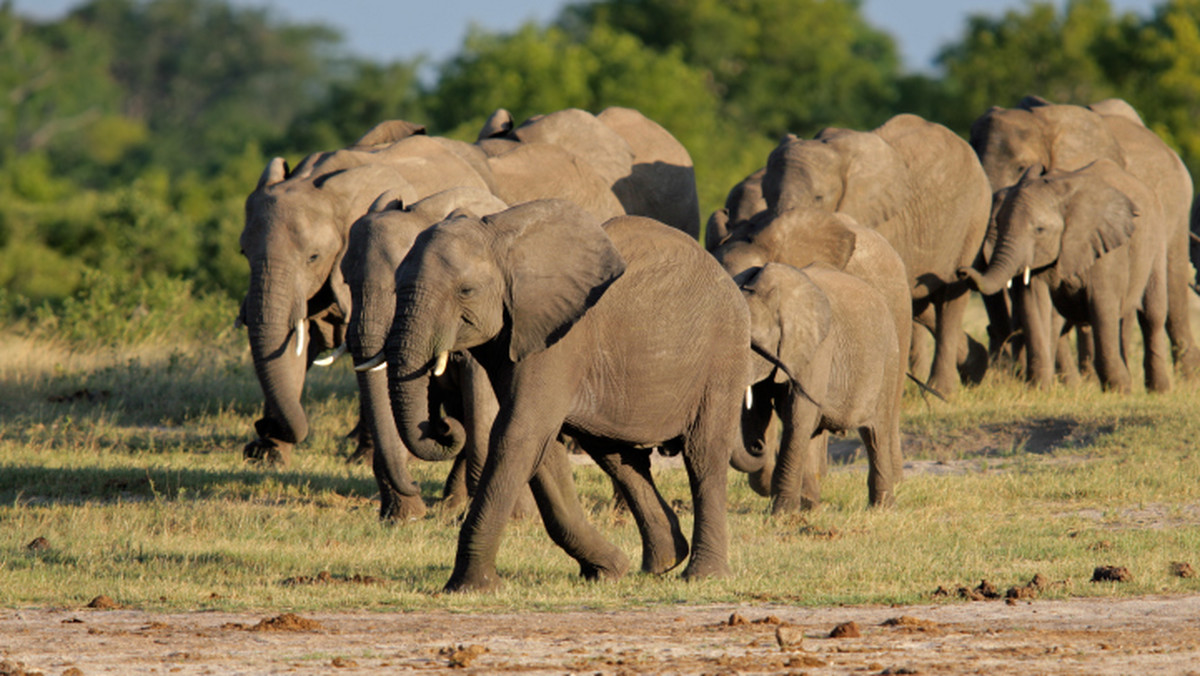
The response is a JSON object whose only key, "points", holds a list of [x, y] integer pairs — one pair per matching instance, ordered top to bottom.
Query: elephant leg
{"points": [[951, 306], [1036, 316], [1178, 322], [1000, 326], [1106, 327], [1085, 350], [920, 356], [1156, 356], [1064, 357], [972, 360], [760, 435], [364, 441], [268, 448], [707, 448], [796, 483], [554, 489], [881, 489], [454, 491], [394, 506], [663, 544]]}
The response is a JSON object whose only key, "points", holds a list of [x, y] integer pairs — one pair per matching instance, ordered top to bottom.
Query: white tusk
{"points": [[1026, 275], [1009, 285], [299, 337], [332, 357], [442, 360], [375, 363], [749, 397]]}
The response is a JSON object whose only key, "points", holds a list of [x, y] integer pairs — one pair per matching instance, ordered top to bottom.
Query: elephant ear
{"points": [[498, 125], [387, 132], [276, 171], [1097, 218], [803, 236], [558, 262], [797, 320]]}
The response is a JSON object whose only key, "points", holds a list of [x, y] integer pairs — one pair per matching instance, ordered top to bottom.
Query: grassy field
{"points": [[126, 459]]}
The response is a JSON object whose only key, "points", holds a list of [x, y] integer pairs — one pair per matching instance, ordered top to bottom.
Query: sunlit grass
{"points": [[128, 462]]}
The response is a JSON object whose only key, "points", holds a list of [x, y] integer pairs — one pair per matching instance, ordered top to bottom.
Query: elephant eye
{"points": [[313, 258], [466, 291]]}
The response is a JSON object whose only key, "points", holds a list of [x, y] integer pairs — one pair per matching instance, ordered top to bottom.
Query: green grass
{"points": [[127, 460]]}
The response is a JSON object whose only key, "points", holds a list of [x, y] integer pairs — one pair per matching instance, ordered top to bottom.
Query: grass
{"points": [[126, 459]]}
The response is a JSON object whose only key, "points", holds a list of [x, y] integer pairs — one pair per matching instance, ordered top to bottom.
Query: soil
{"points": [[1078, 636]]}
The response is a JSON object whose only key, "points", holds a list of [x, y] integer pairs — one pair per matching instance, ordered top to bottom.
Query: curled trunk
{"points": [[272, 318]]}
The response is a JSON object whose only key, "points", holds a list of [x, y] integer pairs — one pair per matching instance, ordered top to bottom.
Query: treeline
{"points": [[131, 132]]}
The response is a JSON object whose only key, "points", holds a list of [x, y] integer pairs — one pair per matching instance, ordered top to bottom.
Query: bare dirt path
{"points": [[1148, 635]]}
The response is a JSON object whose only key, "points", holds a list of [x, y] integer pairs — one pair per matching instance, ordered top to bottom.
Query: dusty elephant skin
{"points": [[1067, 138], [1091, 243], [542, 296], [835, 335], [1093, 636]]}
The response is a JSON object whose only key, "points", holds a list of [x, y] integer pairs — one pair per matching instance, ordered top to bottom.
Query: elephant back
{"points": [[532, 171]]}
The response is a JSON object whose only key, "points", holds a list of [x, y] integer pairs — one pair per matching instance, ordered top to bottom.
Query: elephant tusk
{"points": [[1027, 275], [1009, 285], [299, 337], [332, 357], [442, 360], [375, 363], [749, 397]]}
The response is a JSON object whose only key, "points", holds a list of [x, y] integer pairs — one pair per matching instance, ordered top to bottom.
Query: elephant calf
{"points": [[835, 334]]}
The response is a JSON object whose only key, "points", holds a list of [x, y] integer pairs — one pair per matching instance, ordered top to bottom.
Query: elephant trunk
{"points": [[1005, 264], [275, 326], [412, 349], [756, 417]]}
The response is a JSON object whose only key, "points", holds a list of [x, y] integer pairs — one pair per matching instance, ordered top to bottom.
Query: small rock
{"points": [[38, 544], [1182, 569], [1111, 574], [987, 590], [103, 602], [769, 619], [736, 620], [906, 622], [846, 630], [789, 637], [463, 656], [343, 662]]}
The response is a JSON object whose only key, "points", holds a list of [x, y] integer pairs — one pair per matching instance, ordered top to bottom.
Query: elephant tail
{"points": [[794, 383], [925, 389]]}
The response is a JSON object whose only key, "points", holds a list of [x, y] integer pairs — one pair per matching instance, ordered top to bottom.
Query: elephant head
{"points": [[1009, 141], [852, 172], [741, 204], [1060, 222], [514, 282], [790, 317]]}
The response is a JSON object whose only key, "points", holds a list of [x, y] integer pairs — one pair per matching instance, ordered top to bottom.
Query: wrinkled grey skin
{"points": [[1066, 138], [646, 168], [917, 184], [741, 204], [295, 235], [801, 237], [1094, 242], [377, 244], [542, 296], [833, 332]]}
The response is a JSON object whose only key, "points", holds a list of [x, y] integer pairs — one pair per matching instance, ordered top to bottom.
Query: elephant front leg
{"points": [[950, 308], [1036, 318], [1110, 362], [706, 453], [796, 483]]}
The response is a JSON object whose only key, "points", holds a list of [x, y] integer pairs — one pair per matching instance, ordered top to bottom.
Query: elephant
{"points": [[1068, 137], [646, 168], [921, 187], [743, 202], [295, 235], [803, 236], [377, 242], [1092, 243], [834, 333], [616, 335]]}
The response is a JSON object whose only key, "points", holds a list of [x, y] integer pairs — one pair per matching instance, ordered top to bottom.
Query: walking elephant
{"points": [[1066, 138], [921, 187], [294, 238], [799, 238], [377, 244], [1091, 244], [834, 333], [616, 336]]}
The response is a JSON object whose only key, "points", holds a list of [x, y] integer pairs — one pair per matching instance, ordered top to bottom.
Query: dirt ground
{"points": [[1149, 635]]}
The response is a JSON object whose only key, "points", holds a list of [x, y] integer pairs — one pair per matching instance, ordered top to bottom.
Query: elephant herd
{"points": [[544, 285]]}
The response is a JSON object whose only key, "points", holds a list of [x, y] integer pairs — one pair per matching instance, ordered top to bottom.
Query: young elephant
{"points": [[377, 243], [1092, 243], [834, 333], [617, 336]]}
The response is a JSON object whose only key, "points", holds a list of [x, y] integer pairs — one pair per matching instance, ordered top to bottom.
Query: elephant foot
{"points": [[1187, 361], [974, 364], [271, 452], [364, 454], [881, 499], [781, 504], [401, 508], [659, 560], [616, 565], [701, 570], [473, 581]]}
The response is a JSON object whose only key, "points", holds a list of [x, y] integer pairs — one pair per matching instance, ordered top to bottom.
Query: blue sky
{"points": [[387, 30]]}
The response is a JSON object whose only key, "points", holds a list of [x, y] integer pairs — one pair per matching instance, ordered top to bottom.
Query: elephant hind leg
{"points": [[1156, 356], [707, 449], [881, 479], [554, 490], [663, 544]]}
